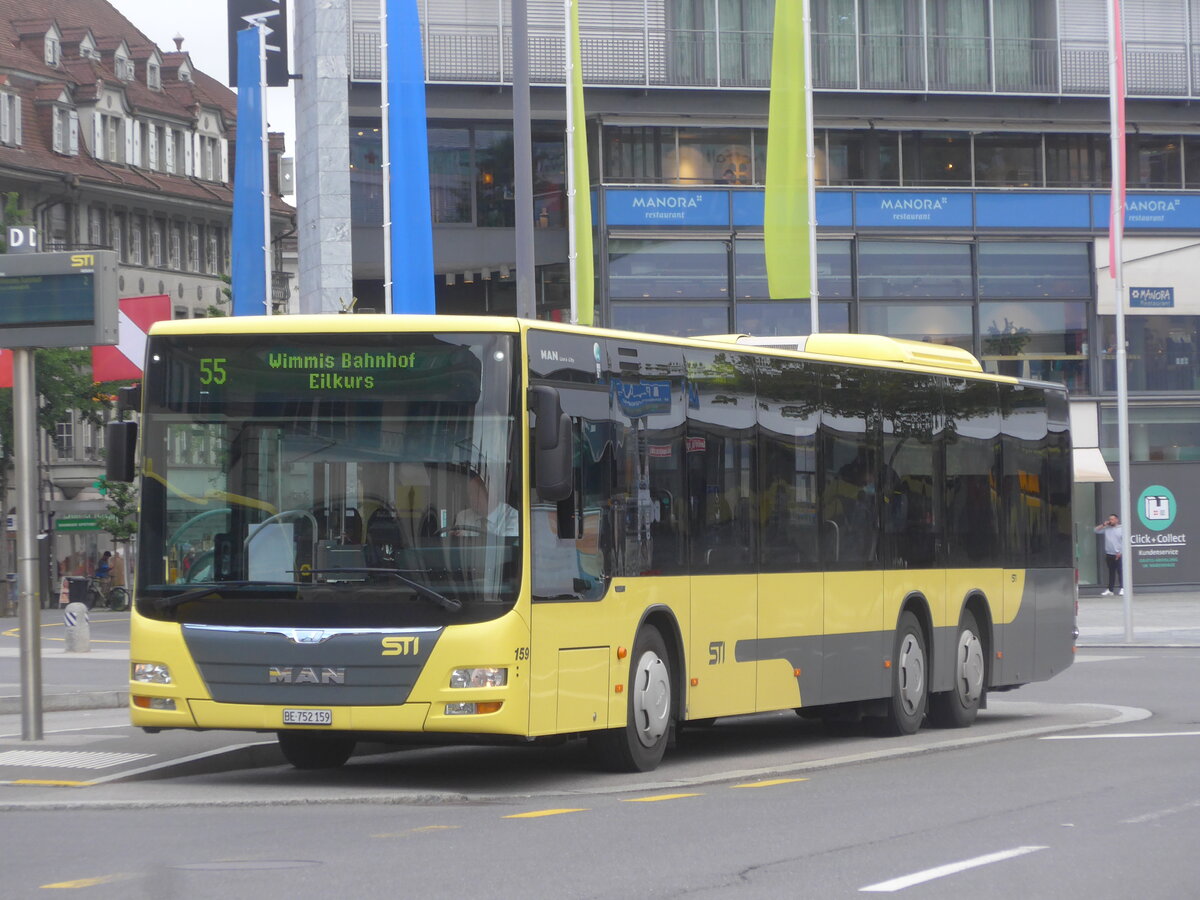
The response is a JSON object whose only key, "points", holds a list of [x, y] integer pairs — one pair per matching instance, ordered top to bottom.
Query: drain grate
{"points": [[68, 759]]}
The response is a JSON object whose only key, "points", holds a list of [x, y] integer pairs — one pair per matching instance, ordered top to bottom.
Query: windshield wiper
{"points": [[164, 603], [447, 603]]}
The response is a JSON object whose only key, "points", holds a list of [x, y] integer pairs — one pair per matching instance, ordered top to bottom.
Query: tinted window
{"points": [[906, 269], [788, 413], [972, 442], [849, 452], [720, 459], [911, 480], [1021, 488], [649, 508]]}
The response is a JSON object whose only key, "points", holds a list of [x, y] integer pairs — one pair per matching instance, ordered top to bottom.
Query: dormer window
{"points": [[53, 49], [123, 66], [153, 76]]}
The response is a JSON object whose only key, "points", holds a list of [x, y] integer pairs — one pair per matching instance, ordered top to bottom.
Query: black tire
{"points": [[94, 598], [118, 599], [910, 681], [957, 707], [650, 711], [306, 750]]}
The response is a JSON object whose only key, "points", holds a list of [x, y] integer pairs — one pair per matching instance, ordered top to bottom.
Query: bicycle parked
{"points": [[102, 593]]}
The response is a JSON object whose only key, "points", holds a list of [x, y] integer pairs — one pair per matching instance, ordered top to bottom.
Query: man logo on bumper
{"points": [[306, 675]]}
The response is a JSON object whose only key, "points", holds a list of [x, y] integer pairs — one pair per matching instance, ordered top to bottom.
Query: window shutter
{"points": [[4, 123], [16, 124], [127, 126], [73, 132], [97, 135], [152, 140], [169, 150], [187, 154], [197, 170], [220, 176]]}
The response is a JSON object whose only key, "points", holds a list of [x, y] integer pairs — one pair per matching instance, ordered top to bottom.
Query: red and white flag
{"points": [[124, 361]]}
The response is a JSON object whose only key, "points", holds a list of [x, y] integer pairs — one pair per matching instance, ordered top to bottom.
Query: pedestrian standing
{"points": [[1114, 542]]}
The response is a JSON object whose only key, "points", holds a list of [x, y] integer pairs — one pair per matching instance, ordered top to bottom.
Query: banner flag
{"points": [[786, 201], [408, 219], [251, 240]]}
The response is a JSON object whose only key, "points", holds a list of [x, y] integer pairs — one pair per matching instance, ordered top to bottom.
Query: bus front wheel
{"points": [[910, 685], [957, 708], [639, 746], [306, 750]]}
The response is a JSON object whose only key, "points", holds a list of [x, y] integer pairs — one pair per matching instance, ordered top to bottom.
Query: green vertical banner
{"points": [[581, 213], [786, 213]]}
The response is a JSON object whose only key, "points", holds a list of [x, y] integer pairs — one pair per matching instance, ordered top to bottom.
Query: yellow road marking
{"points": [[45, 782], [771, 783], [655, 799], [543, 812], [423, 829], [89, 882]]}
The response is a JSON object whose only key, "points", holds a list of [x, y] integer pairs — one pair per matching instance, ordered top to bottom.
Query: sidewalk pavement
{"points": [[100, 678]]}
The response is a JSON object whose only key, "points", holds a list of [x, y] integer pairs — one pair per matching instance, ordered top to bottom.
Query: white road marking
{"points": [[1086, 658], [1093, 737], [1160, 814], [907, 881]]}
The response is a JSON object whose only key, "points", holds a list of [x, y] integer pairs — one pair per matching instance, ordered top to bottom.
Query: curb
{"points": [[69, 702]]}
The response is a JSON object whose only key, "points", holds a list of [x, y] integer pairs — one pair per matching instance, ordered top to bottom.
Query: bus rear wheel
{"points": [[910, 685], [957, 707], [639, 746], [306, 750]]}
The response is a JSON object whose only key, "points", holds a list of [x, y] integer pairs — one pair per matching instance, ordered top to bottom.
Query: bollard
{"points": [[78, 628]]}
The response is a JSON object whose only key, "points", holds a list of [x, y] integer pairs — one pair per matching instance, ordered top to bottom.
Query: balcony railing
{"points": [[649, 55]]}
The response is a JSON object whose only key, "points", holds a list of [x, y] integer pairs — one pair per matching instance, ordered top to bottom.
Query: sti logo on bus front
{"points": [[401, 645]]}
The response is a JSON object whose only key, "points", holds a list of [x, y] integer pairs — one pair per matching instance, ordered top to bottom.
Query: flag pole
{"points": [[1116, 233], [572, 254]]}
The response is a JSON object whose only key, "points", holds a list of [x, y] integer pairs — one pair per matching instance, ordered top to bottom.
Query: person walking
{"points": [[1114, 541]]}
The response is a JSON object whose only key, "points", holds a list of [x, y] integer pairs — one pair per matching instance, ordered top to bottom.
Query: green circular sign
{"points": [[1156, 508]]}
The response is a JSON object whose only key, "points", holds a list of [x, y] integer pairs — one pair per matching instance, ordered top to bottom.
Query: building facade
{"points": [[109, 142], [963, 171]]}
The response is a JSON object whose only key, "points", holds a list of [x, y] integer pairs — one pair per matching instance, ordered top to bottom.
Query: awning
{"points": [[1090, 465]]}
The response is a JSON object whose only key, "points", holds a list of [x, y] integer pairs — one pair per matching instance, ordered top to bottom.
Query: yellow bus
{"points": [[367, 527]]}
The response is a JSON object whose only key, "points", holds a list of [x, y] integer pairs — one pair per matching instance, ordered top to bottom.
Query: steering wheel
{"points": [[459, 531]]}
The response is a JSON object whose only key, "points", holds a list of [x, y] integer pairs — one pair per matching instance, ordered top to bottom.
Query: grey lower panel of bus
{"points": [[309, 667], [836, 668]]}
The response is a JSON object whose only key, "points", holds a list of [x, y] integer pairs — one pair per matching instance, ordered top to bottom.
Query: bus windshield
{"points": [[369, 478]]}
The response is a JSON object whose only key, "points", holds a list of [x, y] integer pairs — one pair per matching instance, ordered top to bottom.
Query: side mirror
{"points": [[120, 439], [551, 445]]}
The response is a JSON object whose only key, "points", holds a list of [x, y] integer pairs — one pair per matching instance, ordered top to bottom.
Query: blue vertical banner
{"points": [[251, 218], [408, 264]]}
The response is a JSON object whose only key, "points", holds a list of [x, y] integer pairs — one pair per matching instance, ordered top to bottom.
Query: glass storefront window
{"points": [[635, 155], [712, 156], [859, 157], [936, 157], [1008, 160], [1077, 160], [1154, 161], [1191, 163], [366, 175], [450, 176], [494, 178], [549, 181], [668, 269], [833, 269], [914, 269], [1034, 270], [788, 317], [664, 318], [935, 323], [1042, 340], [1161, 351], [1155, 433]]}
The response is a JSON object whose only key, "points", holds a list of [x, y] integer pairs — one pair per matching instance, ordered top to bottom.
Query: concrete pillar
{"points": [[321, 39]]}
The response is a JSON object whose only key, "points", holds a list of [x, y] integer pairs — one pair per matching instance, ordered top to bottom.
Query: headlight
{"points": [[151, 673], [481, 677]]}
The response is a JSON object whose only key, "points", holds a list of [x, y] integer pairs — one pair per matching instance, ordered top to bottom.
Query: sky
{"points": [[203, 24]]}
